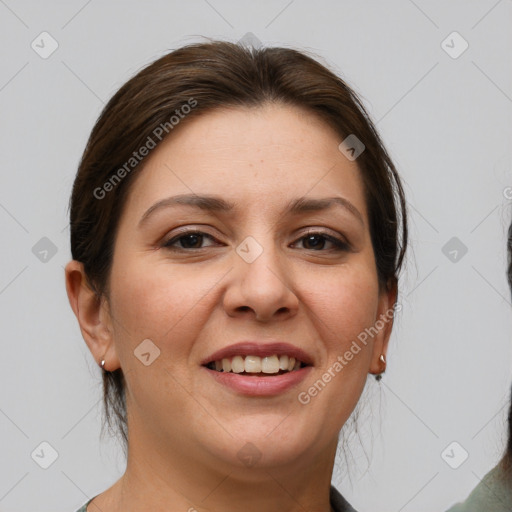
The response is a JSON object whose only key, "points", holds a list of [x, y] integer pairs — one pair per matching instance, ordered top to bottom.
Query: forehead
{"points": [[260, 156]]}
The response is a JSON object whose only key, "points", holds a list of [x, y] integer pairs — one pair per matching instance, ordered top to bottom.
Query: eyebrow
{"points": [[213, 203]]}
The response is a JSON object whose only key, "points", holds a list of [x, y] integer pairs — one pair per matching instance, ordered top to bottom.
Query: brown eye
{"points": [[188, 240], [315, 241]]}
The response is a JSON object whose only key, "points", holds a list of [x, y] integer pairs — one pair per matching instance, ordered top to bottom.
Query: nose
{"points": [[261, 288]]}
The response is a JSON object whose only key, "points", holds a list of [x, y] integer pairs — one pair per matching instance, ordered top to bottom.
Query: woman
{"points": [[237, 231]]}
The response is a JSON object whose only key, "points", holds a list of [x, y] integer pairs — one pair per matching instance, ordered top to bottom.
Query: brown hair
{"points": [[207, 76]]}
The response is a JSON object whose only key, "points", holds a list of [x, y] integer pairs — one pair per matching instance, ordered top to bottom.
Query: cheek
{"points": [[164, 303], [168, 305], [345, 305], [344, 309]]}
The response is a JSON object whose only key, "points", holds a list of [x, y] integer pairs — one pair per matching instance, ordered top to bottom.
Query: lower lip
{"points": [[260, 386]]}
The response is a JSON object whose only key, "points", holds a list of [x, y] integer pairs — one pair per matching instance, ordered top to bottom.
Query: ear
{"points": [[93, 315], [383, 325]]}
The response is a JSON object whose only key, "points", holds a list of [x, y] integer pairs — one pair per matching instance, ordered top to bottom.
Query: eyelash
{"points": [[339, 245]]}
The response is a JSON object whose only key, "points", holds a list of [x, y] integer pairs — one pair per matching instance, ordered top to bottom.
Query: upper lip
{"points": [[261, 349]]}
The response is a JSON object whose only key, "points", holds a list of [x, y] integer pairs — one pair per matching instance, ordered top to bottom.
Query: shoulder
{"points": [[492, 494], [338, 502]]}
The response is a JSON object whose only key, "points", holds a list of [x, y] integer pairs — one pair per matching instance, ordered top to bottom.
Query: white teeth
{"points": [[283, 362], [237, 364], [253, 364], [270, 364]]}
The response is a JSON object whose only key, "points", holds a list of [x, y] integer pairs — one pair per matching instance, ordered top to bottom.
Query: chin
{"points": [[263, 441]]}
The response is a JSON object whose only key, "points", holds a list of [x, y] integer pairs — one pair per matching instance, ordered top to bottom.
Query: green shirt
{"points": [[492, 494], [338, 503]]}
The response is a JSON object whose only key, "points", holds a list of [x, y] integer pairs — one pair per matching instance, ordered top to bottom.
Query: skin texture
{"points": [[185, 429]]}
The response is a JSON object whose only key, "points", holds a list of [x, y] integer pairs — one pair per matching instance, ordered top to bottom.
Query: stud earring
{"points": [[382, 359]]}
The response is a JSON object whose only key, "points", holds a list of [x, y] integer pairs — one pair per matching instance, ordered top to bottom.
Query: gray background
{"points": [[446, 122]]}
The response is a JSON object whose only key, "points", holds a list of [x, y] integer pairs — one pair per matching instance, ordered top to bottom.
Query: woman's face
{"points": [[253, 279]]}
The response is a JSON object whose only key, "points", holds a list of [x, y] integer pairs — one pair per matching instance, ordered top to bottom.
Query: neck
{"points": [[159, 480]]}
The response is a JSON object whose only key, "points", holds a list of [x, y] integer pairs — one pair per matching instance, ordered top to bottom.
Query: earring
{"points": [[382, 359], [102, 364]]}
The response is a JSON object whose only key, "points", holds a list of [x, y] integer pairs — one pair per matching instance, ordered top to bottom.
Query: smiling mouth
{"points": [[257, 366]]}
